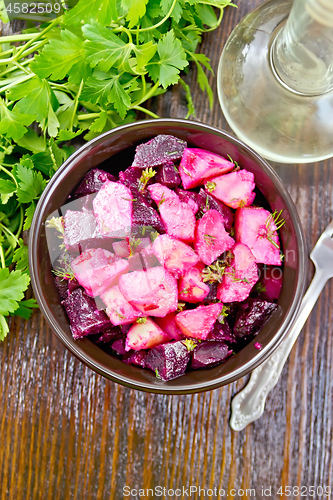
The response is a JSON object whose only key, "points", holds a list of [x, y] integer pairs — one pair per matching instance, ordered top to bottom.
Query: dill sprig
{"points": [[186, 171], [147, 174], [210, 186], [162, 200], [274, 220], [58, 223], [209, 239], [133, 243], [214, 272], [64, 273], [260, 287], [181, 306], [223, 314], [142, 320], [189, 344]]}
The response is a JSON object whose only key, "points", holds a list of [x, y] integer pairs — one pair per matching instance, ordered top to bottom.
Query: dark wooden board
{"points": [[66, 432]]}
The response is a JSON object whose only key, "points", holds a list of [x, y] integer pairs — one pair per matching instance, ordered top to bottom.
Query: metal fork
{"points": [[248, 405]]}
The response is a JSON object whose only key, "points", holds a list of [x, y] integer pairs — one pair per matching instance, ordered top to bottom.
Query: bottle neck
{"points": [[302, 52]]}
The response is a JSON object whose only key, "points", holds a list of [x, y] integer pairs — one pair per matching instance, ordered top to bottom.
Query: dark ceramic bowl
{"points": [[115, 149]]}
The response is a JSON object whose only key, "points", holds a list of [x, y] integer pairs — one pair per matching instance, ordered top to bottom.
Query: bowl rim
{"points": [[106, 371]]}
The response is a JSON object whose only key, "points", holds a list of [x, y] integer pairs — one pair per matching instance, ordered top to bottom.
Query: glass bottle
{"points": [[275, 80]]}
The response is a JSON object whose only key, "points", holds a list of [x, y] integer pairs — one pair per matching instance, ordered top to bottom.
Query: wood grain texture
{"points": [[68, 433]]}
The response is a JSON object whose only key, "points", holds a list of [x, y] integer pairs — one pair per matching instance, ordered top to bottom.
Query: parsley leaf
{"points": [[87, 10], [135, 10], [58, 56], [171, 59], [13, 125], [31, 184], [21, 257], [12, 287]]}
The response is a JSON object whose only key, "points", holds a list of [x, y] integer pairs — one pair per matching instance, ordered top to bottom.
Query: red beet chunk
{"points": [[159, 150], [168, 176], [92, 182], [207, 202], [145, 215], [81, 232], [73, 284], [62, 286], [251, 316], [84, 317], [222, 331], [110, 335], [119, 346], [209, 354], [136, 358], [169, 360]]}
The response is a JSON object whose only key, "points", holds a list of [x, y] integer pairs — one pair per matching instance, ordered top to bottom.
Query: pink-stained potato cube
{"points": [[198, 164], [234, 189], [113, 209], [255, 228], [211, 238], [174, 255], [97, 270], [240, 277], [191, 287], [153, 292], [119, 310], [197, 323], [145, 336]]}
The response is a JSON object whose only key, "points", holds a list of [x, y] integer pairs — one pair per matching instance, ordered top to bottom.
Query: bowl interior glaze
{"points": [[115, 150]]}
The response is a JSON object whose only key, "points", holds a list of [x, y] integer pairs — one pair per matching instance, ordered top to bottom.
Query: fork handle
{"points": [[248, 405]]}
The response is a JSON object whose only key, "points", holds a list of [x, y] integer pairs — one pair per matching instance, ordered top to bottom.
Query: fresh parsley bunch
{"points": [[84, 73]]}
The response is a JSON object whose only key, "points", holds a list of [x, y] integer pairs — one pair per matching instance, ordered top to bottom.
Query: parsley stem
{"points": [[149, 28], [39, 35], [17, 38], [13, 68], [22, 68], [17, 81], [147, 96], [76, 103], [144, 110], [9, 173], [8, 231], [18, 232], [2, 255]]}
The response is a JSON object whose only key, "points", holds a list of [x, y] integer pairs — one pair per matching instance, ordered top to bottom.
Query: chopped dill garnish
{"points": [[186, 171], [147, 174], [210, 186], [274, 219], [209, 239], [133, 243], [260, 287], [223, 314], [142, 320], [189, 344]]}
